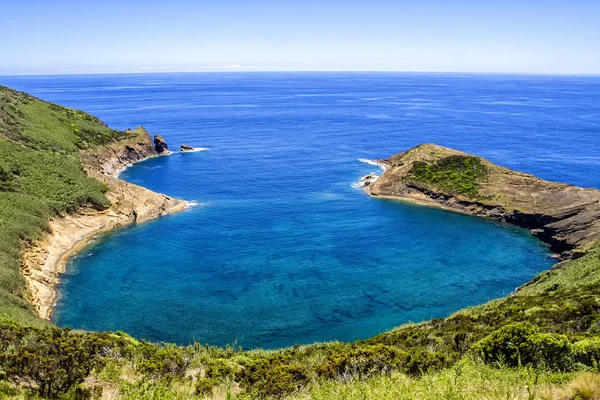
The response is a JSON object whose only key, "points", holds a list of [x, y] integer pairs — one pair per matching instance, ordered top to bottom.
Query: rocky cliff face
{"points": [[160, 145], [110, 159], [567, 217], [44, 262]]}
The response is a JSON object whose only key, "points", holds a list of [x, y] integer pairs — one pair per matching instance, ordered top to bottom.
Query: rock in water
{"points": [[160, 145], [185, 147], [368, 179]]}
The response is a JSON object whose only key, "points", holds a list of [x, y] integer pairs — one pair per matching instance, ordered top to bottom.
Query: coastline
{"points": [[566, 217], [45, 260]]}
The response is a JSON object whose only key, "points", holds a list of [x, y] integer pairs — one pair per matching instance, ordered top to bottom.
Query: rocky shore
{"points": [[565, 216], [45, 261]]}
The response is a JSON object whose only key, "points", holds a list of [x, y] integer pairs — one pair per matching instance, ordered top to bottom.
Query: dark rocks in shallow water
{"points": [[160, 145], [185, 147], [367, 180]]}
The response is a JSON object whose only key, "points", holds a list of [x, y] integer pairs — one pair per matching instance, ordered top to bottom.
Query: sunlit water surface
{"points": [[280, 248]]}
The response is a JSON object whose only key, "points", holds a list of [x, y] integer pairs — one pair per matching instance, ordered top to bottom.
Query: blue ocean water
{"points": [[280, 248]]}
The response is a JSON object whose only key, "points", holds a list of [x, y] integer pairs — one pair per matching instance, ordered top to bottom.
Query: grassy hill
{"points": [[41, 176], [541, 342]]}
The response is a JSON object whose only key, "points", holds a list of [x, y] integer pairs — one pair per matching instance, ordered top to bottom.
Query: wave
{"points": [[195, 149], [373, 162], [366, 180], [194, 203]]}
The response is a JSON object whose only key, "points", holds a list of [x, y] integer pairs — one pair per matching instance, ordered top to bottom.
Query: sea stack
{"points": [[160, 145], [185, 147]]}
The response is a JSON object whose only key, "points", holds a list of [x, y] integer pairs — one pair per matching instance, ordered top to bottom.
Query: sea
{"points": [[280, 246]]}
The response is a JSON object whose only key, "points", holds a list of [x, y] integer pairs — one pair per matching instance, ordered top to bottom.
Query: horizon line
{"points": [[238, 71]]}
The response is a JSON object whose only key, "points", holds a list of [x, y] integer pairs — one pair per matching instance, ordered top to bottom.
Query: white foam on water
{"points": [[195, 149], [373, 162], [194, 203]]}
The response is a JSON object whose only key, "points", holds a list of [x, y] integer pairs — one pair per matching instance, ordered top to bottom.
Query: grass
{"points": [[46, 126], [454, 174], [468, 380]]}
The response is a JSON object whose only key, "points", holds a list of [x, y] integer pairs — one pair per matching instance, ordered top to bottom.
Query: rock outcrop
{"points": [[160, 145], [185, 147], [110, 159], [367, 180], [565, 216], [45, 261]]}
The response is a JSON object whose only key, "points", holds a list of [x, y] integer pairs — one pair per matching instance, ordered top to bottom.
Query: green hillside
{"points": [[40, 176], [542, 342]]}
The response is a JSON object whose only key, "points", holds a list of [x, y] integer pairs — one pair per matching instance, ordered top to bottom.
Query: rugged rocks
{"points": [[160, 145], [185, 147], [109, 159], [367, 180], [567, 217]]}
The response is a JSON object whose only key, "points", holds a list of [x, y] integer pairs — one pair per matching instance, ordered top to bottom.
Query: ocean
{"points": [[280, 246]]}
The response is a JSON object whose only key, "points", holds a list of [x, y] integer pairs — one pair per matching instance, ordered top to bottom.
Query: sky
{"points": [[112, 36]]}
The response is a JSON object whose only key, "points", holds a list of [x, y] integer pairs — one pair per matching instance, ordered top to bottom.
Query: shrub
{"points": [[456, 174], [521, 343], [587, 352], [49, 361], [165, 361], [422, 361], [362, 362], [218, 369], [273, 377], [204, 386]]}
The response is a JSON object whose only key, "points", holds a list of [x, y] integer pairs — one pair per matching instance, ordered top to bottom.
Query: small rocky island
{"points": [[160, 145], [185, 147], [565, 216]]}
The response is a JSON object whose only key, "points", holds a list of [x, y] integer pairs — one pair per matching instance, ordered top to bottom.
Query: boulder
{"points": [[160, 145], [185, 147]]}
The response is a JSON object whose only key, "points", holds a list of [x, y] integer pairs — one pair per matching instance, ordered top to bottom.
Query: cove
{"points": [[280, 248], [268, 261]]}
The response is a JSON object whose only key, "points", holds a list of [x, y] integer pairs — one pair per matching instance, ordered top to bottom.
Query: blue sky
{"points": [[530, 36]]}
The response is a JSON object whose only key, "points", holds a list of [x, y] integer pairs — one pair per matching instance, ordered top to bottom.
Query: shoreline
{"points": [[565, 217], [44, 261]]}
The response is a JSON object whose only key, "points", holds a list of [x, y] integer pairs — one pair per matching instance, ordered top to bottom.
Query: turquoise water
{"points": [[281, 248]]}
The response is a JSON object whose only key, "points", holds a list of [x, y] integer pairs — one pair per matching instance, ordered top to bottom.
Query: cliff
{"points": [[58, 187], [565, 216], [45, 260]]}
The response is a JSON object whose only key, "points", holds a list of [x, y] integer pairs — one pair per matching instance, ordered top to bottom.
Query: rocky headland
{"points": [[565, 216], [44, 261]]}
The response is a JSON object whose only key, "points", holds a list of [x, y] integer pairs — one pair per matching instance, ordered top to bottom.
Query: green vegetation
{"points": [[46, 126], [453, 174], [40, 176], [542, 342], [531, 343]]}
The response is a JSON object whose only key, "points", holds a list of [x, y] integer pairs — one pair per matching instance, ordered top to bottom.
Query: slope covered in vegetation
{"points": [[41, 176], [541, 342]]}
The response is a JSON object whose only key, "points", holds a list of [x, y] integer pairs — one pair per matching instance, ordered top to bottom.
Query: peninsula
{"points": [[565, 216]]}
